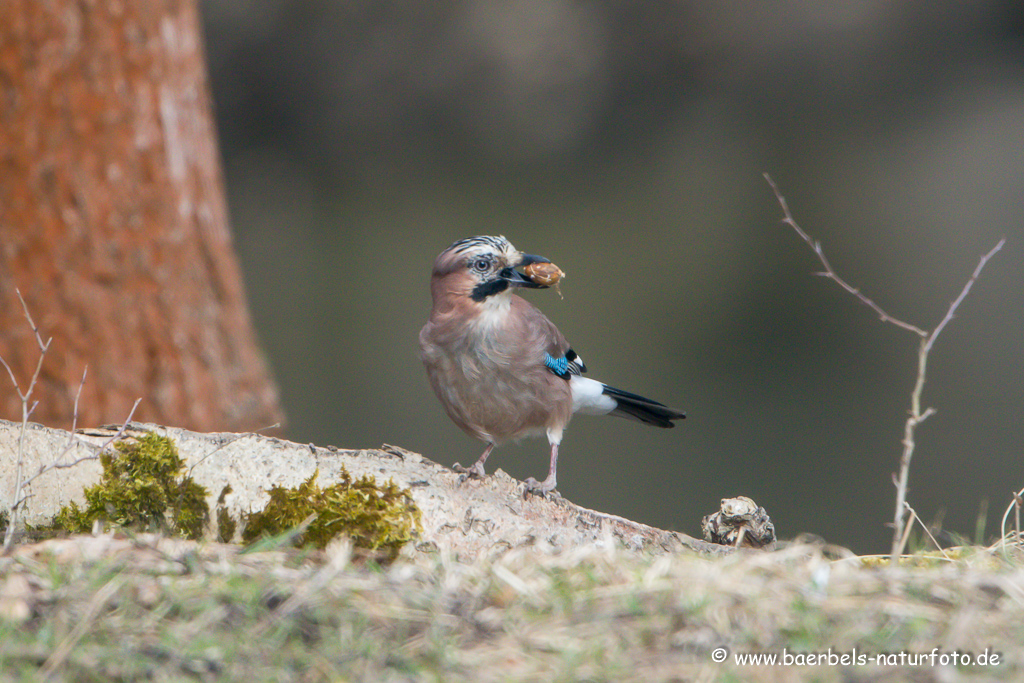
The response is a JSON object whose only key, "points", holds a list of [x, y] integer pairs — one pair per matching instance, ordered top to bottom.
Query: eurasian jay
{"points": [[501, 369]]}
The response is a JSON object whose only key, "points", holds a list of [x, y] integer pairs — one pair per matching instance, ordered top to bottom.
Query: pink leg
{"points": [[477, 468], [548, 484]]}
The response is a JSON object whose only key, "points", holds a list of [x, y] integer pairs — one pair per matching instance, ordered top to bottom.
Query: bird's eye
{"points": [[481, 265]]}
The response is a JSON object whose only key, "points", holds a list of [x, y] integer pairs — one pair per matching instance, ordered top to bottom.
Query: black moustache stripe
{"points": [[486, 289]]}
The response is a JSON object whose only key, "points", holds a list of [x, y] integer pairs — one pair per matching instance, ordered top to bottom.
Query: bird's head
{"points": [[481, 268]]}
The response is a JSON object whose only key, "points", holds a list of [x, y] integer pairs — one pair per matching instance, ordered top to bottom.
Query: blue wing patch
{"points": [[559, 366], [565, 366]]}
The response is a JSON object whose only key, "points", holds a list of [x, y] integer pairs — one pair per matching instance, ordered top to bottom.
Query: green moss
{"points": [[141, 489], [375, 517], [226, 524]]}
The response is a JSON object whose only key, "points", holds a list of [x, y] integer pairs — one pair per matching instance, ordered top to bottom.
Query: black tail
{"points": [[642, 409]]}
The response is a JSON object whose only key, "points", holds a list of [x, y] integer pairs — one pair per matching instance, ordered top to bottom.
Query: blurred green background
{"points": [[626, 142]]}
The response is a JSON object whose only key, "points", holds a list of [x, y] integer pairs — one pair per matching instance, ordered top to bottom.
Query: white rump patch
{"points": [[587, 397]]}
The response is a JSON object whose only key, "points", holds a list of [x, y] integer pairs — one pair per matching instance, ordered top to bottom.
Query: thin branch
{"points": [[829, 272], [963, 293], [32, 323], [43, 348], [10, 373], [74, 412], [917, 416], [58, 465], [16, 497], [21, 500], [1017, 502], [1015, 506], [926, 530], [894, 558]]}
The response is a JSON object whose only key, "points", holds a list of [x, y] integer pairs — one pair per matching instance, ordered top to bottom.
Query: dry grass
{"points": [[121, 609]]}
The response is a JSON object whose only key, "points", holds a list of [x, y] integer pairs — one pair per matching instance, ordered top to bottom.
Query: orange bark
{"points": [[113, 221]]}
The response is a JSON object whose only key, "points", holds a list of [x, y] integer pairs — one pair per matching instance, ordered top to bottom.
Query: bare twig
{"points": [[831, 274], [963, 293], [32, 323], [25, 396], [74, 412], [917, 416], [57, 463], [18, 497], [1015, 505], [913, 514], [904, 537]]}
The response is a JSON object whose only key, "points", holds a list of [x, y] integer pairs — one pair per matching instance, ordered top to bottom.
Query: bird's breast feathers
{"points": [[491, 314]]}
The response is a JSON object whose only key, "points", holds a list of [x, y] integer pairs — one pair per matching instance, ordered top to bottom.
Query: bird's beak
{"points": [[516, 279]]}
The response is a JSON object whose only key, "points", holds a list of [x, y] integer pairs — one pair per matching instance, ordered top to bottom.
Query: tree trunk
{"points": [[113, 221]]}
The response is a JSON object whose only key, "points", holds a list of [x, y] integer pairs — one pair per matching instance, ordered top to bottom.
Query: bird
{"points": [[500, 368]]}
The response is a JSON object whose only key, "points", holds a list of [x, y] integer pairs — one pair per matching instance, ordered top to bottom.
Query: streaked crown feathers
{"points": [[482, 243], [464, 250]]}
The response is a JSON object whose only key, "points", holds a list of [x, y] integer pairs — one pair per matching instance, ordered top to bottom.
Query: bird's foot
{"points": [[474, 471], [540, 488]]}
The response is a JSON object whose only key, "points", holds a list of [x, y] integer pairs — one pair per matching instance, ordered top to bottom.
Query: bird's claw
{"points": [[474, 471], [540, 488]]}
